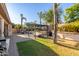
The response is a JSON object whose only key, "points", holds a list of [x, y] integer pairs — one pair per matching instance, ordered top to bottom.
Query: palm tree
{"points": [[55, 12], [40, 14], [47, 16], [52, 17], [22, 18]]}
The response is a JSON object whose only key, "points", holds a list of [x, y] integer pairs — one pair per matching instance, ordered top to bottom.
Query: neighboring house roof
{"points": [[4, 12]]}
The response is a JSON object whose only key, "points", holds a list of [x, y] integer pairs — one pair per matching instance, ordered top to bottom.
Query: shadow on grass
{"points": [[77, 45], [69, 46], [34, 48]]}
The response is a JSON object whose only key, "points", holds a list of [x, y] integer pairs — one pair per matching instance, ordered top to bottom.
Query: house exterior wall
{"points": [[5, 23]]}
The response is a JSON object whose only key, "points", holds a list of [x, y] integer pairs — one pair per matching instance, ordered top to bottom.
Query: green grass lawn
{"points": [[44, 47]]}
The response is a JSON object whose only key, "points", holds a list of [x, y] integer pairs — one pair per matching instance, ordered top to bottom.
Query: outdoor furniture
{"points": [[2, 47]]}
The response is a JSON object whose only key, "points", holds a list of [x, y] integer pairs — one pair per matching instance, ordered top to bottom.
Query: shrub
{"points": [[69, 27]]}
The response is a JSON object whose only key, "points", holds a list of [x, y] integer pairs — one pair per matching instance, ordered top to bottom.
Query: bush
{"points": [[69, 27]]}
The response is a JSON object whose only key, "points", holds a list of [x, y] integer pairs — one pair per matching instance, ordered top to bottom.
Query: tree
{"points": [[55, 12], [72, 13], [40, 14], [47, 16], [52, 17], [22, 18], [13, 25], [17, 26]]}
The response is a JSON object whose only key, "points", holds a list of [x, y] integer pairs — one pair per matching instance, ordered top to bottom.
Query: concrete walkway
{"points": [[70, 36], [16, 38]]}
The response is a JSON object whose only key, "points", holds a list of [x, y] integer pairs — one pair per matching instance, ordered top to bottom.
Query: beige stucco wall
{"points": [[4, 20]]}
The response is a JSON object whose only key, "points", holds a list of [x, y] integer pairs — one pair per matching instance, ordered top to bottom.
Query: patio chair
{"points": [[3, 47]]}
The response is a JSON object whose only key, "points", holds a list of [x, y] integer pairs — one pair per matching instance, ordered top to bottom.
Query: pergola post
{"points": [[2, 28], [9, 30]]}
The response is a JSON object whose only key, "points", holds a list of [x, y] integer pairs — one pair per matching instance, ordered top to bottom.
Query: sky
{"points": [[63, 7], [29, 10]]}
